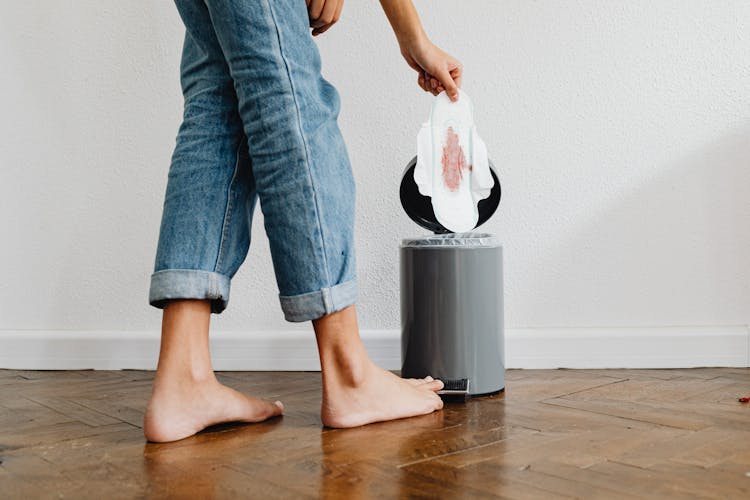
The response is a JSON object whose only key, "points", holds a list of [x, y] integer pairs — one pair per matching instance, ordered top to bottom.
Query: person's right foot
{"points": [[376, 395], [179, 408]]}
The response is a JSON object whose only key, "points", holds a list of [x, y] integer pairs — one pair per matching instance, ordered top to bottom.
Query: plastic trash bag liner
{"points": [[452, 163], [462, 240]]}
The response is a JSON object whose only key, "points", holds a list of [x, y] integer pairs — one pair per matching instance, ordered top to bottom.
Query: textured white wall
{"points": [[621, 131]]}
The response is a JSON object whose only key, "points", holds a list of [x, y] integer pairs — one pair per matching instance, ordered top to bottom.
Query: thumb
{"points": [[448, 84]]}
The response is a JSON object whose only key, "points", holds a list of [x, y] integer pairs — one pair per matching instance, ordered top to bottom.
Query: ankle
{"points": [[184, 356], [343, 358], [345, 367], [191, 375]]}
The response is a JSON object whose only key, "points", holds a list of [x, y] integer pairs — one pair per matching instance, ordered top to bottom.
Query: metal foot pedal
{"points": [[454, 390]]}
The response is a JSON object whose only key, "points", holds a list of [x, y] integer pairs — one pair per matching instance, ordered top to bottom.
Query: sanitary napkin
{"points": [[452, 164]]}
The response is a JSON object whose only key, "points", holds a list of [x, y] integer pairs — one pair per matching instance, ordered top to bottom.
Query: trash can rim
{"points": [[461, 240]]}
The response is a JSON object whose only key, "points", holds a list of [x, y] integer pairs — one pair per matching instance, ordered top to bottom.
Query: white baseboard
{"points": [[629, 347], [656, 347]]}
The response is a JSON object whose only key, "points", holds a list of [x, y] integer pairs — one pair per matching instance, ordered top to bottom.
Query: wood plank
{"points": [[119, 410], [74, 411], [642, 412], [10, 438], [704, 447]]}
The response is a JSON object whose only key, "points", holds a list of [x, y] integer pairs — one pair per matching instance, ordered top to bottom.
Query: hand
{"points": [[323, 14], [438, 71]]}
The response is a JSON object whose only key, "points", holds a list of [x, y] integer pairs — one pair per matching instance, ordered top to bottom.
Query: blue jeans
{"points": [[259, 123]]}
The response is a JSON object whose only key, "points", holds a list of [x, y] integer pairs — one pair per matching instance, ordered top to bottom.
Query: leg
{"points": [[299, 159], [307, 193], [210, 196], [204, 237], [186, 395]]}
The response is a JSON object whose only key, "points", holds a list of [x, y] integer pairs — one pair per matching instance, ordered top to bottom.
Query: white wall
{"points": [[621, 131]]}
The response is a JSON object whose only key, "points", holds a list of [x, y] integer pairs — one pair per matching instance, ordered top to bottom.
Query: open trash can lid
{"points": [[419, 207], [463, 240]]}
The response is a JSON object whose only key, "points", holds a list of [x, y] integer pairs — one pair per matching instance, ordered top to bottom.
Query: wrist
{"points": [[414, 36]]}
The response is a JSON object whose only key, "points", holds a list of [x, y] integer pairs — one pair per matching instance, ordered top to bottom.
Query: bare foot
{"points": [[357, 392], [375, 396], [180, 408]]}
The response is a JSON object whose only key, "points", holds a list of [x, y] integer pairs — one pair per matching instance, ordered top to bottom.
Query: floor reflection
{"points": [[294, 455], [401, 457], [196, 467]]}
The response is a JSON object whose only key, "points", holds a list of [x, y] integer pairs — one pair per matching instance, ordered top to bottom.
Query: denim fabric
{"points": [[259, 123]]}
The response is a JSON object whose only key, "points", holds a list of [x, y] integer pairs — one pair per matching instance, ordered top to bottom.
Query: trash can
{"points": [[451, 292]]}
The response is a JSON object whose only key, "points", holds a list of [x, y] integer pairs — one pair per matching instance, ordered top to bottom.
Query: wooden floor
{"points": [[554, 433]]}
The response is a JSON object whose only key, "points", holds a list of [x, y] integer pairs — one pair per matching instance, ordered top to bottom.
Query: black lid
{"points": [[419, 207]]}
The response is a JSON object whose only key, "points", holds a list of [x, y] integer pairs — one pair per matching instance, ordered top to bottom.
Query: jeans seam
{"points": [[304, 141], [227, 211]]}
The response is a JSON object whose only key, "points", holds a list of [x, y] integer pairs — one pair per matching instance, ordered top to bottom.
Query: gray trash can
{"points": [[451, 284]]}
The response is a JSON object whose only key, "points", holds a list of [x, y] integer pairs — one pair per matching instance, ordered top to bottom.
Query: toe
{"points": [[419, 381], [435, 385], [437, 402], [273, 409], [259, 410], [268, 410]]}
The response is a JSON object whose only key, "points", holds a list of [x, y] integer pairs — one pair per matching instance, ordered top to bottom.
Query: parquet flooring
{"points": [[553, 434]]}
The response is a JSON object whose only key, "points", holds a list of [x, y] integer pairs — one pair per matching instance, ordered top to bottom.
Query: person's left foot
{"points": [[180, 408]]}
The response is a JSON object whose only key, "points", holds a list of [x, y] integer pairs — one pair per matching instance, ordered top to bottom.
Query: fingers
{"points": [[314, 10], [337, 13], [324, 14], [320, 31], [457, 74], [423, 81], [429, 83], [449, 84], [435, 85]]}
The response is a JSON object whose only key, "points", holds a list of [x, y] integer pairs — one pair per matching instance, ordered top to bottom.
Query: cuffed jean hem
{"points": [[170, 284], [313, 305]]}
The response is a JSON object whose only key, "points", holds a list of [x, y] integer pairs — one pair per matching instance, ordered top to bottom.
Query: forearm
{"points": [[404, 20], [437, 71]]}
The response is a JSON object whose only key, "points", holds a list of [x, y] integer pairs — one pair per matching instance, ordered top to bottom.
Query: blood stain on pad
{"points": [[454, 161]]}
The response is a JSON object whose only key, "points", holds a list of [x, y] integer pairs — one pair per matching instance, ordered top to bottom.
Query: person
{"points": [[260, 123]]}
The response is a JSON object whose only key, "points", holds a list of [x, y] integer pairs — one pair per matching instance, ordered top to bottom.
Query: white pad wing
{"points": [[423, 168], [481, 177]]}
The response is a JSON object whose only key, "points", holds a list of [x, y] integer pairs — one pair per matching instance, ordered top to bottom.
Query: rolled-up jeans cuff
{"points": [[170, 284], [313, 305]]}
